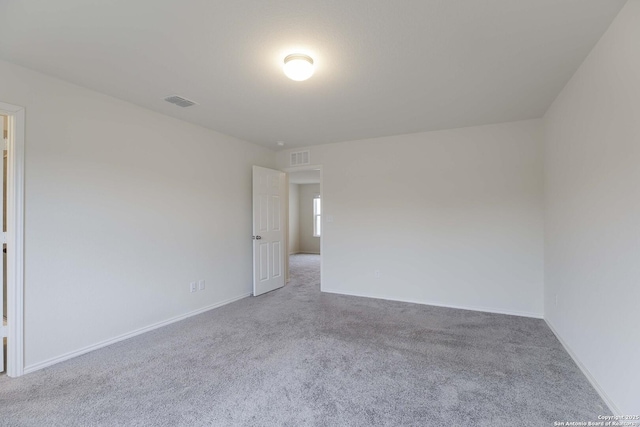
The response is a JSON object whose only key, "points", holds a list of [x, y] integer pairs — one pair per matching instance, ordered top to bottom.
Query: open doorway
{"points": [[12, 130], [4, 134], [305, 226]]}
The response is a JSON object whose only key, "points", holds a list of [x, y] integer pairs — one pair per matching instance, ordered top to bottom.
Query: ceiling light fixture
{"points": [[298, 66], [280, 143]]}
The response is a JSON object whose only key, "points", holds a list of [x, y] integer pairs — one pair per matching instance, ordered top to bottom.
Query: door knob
{"points": [[257, 237]]}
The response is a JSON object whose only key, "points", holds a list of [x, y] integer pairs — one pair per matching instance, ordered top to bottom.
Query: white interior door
{"points": [[268, 230]]}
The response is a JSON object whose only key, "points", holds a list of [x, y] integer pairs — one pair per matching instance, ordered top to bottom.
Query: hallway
{"points": [[304, 271]]}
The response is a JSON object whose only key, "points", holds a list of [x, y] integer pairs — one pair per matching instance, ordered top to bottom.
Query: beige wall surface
{"points": [[123, 208], [592, 212], [294, 219], [308, 242]]}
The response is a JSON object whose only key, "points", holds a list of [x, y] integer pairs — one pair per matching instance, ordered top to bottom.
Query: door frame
{"points": [[322, 217], [15, 238]]}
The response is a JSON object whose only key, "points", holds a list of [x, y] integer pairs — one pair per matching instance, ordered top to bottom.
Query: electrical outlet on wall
{"points": [[377, 274], [201, 285], [193, 287]]}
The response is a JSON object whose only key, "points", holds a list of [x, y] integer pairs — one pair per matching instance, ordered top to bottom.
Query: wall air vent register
{"points": [[179, 101], [300, 158]]}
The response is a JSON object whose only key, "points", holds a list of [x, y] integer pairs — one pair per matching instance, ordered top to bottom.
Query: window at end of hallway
{"points": [[317, 209]]}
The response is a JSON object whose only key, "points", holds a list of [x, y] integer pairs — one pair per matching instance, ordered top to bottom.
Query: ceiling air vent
{"points": [[179, 101], [299, 158]]}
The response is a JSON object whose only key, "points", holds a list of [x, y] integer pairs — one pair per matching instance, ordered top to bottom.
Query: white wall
{"points": [[592, 197], [124, 207], [451, 217], [294, 219], [308, 242]]}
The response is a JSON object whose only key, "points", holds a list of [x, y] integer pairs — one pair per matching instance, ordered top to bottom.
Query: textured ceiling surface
{"points": [[383, 67]]}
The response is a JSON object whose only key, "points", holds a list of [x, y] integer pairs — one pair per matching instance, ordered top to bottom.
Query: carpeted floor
{"points": [[296, 357]]}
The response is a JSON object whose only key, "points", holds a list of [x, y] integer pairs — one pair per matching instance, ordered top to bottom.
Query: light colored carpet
{"points": [[296, 357]]}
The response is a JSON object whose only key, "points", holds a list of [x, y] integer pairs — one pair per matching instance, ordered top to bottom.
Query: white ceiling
{"points": [[383, 67], [304, 177]]}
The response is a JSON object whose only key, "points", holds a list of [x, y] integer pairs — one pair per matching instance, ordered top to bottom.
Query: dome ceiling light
{"points": [[298, 66]]}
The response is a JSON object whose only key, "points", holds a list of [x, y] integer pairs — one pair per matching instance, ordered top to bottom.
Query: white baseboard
{"points": [[437, 304], [72, 354], [612, 406]]}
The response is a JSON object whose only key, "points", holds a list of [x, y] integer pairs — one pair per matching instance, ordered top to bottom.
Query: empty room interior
{"points": [[327, 213]]}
